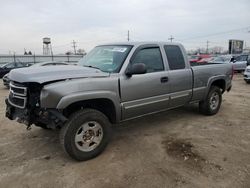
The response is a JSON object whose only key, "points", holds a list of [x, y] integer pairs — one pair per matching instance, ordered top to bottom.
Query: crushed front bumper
{"points": [[13, 113], [52, 118]]}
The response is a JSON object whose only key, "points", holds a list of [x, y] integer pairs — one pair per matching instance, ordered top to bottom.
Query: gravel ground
{"points": [[177, 148]]}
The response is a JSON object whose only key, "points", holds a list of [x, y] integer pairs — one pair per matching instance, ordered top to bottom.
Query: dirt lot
{"points": [[178, 148]]}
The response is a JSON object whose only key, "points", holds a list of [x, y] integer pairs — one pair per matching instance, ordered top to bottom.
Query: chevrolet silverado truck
{"points": [[113, 83]]}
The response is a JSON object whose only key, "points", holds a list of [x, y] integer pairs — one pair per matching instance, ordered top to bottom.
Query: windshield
{"points": [[194, 57], [106, 58], [241, 58], [221, 59], [3, 65]]}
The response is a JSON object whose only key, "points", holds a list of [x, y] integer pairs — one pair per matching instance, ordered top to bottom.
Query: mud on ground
{"points": [[177, 148]]}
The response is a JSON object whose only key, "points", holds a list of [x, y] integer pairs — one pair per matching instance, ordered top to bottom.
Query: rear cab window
{"points": [[175, 57]]}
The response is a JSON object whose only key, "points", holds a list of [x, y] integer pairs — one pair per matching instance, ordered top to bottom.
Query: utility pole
{"points": [[128, 36], [171, 38], [74, 46], [207, 46], [51, 51], [25, 52]]}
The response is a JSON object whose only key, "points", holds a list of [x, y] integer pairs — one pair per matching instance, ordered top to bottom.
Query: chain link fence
{"points": [[39, 58]]}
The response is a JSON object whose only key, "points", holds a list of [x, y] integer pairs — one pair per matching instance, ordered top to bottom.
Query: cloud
{"points": [[25, 23]]}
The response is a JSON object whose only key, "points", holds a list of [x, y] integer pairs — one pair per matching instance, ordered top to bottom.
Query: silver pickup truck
{"points": [[113, 83]]}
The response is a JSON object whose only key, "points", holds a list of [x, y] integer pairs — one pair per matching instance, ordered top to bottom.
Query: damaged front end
{"points": [[23, 105]]}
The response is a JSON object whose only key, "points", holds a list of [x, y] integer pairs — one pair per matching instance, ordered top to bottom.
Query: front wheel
{"points": [[211, 104], [86, 134]]}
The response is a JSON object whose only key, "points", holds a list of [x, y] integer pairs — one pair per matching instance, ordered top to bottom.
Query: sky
{"points": [[24, 23]]}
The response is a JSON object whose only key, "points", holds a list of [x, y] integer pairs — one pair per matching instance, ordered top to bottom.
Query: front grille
{"points": [[19, 91], [18, 95]]}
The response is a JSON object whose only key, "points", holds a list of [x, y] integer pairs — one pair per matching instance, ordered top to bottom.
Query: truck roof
{"points": [[142, 43]]}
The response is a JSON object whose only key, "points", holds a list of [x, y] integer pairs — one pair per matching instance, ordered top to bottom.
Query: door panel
{"points": [[241, 65], [180, 76], [180, 86], [142, 94]]}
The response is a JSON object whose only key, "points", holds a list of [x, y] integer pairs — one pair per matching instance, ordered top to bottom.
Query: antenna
{"points": [[128, 36]]}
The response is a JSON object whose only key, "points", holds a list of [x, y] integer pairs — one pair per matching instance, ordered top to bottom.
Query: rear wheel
{"points": [[211, 104], [86, 134]]}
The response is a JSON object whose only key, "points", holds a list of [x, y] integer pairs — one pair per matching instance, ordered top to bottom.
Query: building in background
{"points": [[235, 46]]}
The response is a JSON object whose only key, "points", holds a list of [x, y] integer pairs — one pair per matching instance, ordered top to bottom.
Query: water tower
{"points": [[46, 46]]}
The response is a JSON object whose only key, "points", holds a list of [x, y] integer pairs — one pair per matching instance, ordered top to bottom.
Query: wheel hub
{"points": [[214, 101], [88, 136]]}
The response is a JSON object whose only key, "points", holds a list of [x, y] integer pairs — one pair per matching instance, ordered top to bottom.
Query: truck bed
{"points": [[202, 74]]}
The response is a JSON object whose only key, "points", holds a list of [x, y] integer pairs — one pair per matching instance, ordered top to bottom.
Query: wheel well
{"points": [[220, 83], [105, 106]]}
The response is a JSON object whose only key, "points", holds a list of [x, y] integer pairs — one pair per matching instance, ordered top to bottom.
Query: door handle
{"points": [[164, 79]]}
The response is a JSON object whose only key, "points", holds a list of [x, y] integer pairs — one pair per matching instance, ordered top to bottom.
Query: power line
{"points": [[219, 33], [62, 45]]}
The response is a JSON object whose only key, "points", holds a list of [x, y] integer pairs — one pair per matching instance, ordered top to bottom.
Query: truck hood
{"points": [[53, 73]]}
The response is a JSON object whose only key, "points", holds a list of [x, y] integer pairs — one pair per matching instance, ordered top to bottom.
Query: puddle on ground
{"points": [[183, 150]]}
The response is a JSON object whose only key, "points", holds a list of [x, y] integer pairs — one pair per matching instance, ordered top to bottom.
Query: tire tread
{"points": [[73, 118]]}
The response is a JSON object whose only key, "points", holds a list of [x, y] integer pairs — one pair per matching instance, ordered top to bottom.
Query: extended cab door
{"points": [[180, 76], [145, 93]]}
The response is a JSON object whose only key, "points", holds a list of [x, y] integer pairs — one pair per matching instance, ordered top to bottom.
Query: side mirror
{"points": [[234, 61], [138, 68]]}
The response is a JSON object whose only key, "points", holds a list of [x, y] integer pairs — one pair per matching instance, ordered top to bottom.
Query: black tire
{"points": [[205, 106], [71, 128]]}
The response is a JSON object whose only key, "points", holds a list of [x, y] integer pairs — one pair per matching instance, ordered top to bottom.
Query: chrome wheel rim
{"points": [[214, 101], [88, 136]]}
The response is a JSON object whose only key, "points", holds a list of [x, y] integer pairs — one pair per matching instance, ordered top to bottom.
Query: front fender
{"points": [[82, 96]]}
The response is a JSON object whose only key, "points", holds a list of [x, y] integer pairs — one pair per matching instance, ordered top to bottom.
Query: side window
{"points": [[151, 57], [175, 57], [244, 58], [19, 65]]}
